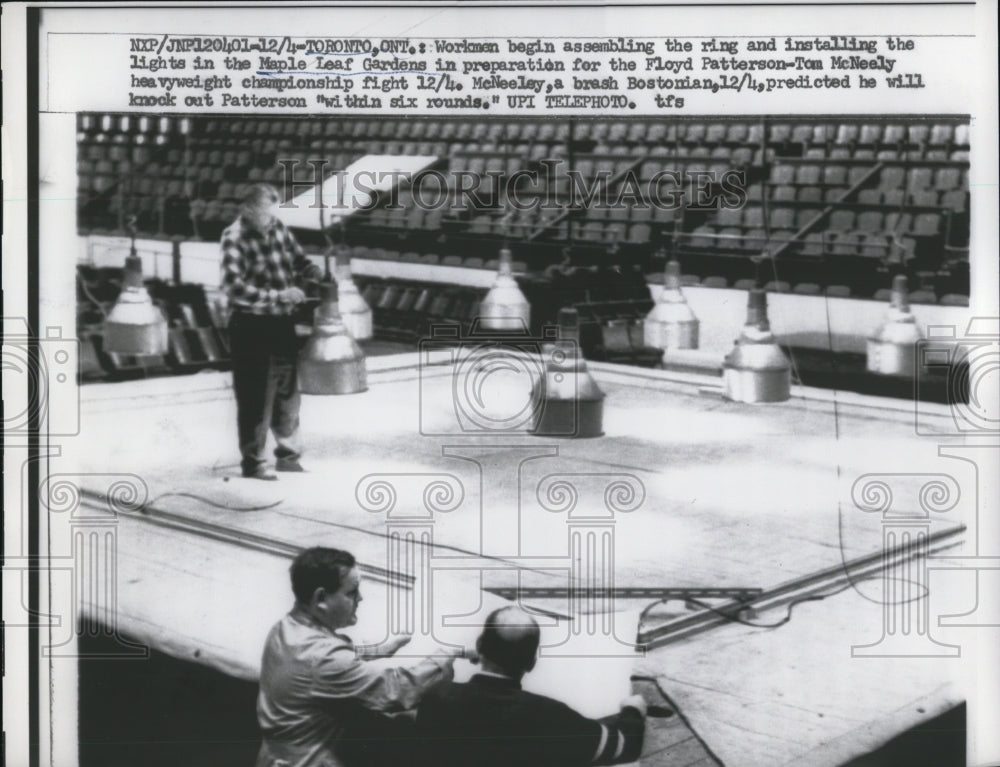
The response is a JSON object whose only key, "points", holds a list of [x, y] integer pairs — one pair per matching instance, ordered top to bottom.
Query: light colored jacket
{"points": [[305, 671]]}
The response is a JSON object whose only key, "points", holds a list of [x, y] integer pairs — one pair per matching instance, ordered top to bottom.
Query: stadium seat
{"points": [[736, 133], [780, 133], [802, 134], [847, 134], [893, 134], [918, 134], [782, 174], [808, 174], [856, 174], [834, 175], [891, 177], [918, 178], [947, 179], [783, 193], [810, 194], [870, 197], [894, 197], [925, 198], [954, 200], [804, 215], [753, 216], [729, 217], [782, 218], [842, 220], [870, 221], [898, 222], [927, 224], [639, 233], [703, 237], [730, 238], [754, 239], [813, 244], [845, 244], [874, 246], [922, 297], [954, 299]]}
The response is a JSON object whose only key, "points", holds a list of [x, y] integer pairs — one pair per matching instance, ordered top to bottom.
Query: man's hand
{"points": [[292, 295], [392, 645], [469, 653], [634, 701]]}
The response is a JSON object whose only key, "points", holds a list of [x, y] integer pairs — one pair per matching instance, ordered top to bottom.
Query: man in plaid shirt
{"points": [[264, 273]]}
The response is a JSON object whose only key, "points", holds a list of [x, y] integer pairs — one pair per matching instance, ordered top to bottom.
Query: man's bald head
{"points": [[509, 641]]}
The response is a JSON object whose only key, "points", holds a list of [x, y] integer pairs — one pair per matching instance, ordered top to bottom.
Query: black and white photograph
{"points": [[552, 384]]}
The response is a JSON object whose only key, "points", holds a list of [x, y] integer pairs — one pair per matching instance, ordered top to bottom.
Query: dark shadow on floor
{"points": [[163, 712], [939, 742]]}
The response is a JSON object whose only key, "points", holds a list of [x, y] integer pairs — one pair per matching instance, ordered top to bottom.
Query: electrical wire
{"points": [[89, 295], [208, 501], [791, 605], [680, 715]]}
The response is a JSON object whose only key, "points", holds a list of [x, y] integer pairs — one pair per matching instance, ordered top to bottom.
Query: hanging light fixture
{"points": [[505, 308], [354, 310], [671, 324], [135, 325], [892, 351], [331, 361], [757, 370], [567, 402]]}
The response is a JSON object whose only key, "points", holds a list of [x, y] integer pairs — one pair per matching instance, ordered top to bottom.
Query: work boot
{"points": [[288, 464], [260, 473]]}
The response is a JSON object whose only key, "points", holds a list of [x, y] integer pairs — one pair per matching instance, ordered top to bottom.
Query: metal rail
{"points": [[812, 584]]}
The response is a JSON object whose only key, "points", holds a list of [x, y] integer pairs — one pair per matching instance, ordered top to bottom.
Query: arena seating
{"points": [[857, 195], [840, 204]]}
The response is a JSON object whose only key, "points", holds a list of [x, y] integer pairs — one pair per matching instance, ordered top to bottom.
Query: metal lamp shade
{"points": [[505, 307], [354, 310], [671, 324], [135, 326], [892, 351], [331, 361], [756, 370], [567, 400]]}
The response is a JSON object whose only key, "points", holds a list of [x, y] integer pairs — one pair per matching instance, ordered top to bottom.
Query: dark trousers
{"points": [[265, 380]]}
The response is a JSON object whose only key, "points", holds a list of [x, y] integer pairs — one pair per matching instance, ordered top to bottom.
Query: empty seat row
{"points": [[911, 154], [923, 224]]}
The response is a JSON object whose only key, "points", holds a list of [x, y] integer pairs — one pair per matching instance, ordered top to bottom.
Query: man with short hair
{"points": [[264, 273], [318, 695], [491, 722]]}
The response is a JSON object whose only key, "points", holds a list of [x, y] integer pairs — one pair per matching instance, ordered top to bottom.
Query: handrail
{"points": [[826, 211]]}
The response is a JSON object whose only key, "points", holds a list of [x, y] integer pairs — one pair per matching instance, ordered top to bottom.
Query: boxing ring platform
{"points": [[685, 491]]}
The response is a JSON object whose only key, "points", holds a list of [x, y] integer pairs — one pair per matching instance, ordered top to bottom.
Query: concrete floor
{"points": [[704, 492]]}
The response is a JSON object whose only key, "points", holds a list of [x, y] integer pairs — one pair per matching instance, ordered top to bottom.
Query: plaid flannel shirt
{"points": [[257, 266]]}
